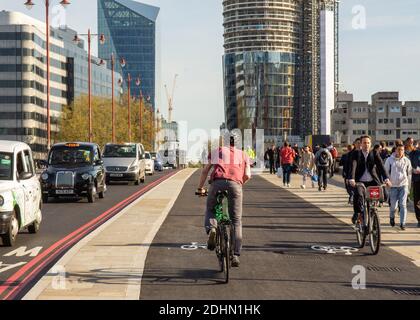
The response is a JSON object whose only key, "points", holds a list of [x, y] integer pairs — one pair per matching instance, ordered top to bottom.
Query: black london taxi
{"points": [[74, 169]]}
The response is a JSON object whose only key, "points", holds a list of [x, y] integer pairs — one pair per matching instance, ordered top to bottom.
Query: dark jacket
{"points": [[271, 155], [415, 162], [345, 163], [373, 163]]}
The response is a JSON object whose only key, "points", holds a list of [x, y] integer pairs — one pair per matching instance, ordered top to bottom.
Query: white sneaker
{"points": [[288, 185], [303, 186]]}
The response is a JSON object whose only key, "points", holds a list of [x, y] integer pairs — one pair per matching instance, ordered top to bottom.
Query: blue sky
{"points": [[383, 56]]}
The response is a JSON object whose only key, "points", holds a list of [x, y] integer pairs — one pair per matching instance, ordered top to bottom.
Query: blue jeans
{"points": [[287, 171], [399, 199]]}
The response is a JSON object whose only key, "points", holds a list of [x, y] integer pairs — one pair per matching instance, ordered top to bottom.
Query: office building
{"points": [[131, 30], [280, 65], [23, 83], [386, 118]]}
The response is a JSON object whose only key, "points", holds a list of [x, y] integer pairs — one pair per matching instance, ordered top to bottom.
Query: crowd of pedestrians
{"points": [[397, 169]]}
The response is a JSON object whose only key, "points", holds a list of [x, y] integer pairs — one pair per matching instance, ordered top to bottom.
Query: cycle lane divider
{"points": [[113, 252], [19, 281]]}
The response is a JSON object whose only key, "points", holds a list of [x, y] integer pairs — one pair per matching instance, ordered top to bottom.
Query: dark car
{"points": [[158, 161], [74, 169]]}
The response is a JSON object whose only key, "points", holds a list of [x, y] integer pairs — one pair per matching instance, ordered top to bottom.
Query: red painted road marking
{"points": [[67, 241]]}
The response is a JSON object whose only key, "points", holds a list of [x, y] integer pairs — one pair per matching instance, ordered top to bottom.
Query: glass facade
{"points": [[130, 30], [259, 90]]}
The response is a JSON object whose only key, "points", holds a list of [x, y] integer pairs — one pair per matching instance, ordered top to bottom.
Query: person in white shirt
{"points": [[399, 168]]}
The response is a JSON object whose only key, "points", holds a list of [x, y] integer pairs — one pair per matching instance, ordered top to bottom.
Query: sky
{"points": [[378, 53]]}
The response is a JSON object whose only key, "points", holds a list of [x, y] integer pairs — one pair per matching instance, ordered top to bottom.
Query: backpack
{"points": [[334, 153], [323, 159]]}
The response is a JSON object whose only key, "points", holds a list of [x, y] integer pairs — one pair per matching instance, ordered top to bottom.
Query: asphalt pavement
{"points": [[65, 222], [278, 260]]}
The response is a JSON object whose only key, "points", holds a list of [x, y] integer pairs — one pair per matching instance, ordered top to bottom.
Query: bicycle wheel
{"points": [[374, 232], [361, 235], [219, 252], [226, 255]]}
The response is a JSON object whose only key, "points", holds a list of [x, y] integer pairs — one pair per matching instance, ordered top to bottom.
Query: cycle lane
{"points": [[277, 262]]}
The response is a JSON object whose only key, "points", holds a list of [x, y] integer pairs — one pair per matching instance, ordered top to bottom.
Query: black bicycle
{"points": [[368, 224], [224, 232]]}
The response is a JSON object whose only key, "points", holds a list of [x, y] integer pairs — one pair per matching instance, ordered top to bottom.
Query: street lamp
{"points": [[29, 5], [101, 41], [102, 62], [123, 63], [138, 83]]}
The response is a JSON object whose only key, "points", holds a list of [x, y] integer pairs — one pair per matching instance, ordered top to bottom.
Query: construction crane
{"points": [[170, 99]]}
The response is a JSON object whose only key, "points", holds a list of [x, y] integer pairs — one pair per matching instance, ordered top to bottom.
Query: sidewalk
{"points": [[334, 201], [108, 264]]}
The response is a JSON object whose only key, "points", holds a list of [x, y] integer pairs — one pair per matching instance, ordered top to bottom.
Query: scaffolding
{"points": [[308, 85]]}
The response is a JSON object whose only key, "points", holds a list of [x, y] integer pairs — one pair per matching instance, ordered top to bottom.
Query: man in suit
{"points": [[367, 168]]}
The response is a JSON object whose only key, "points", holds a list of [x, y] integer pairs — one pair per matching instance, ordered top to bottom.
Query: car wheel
{"points": [[92, 194], [102, 194], [45, 198], [34, 227], [10, 237]]}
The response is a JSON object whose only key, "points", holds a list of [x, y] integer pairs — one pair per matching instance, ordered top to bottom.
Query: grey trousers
{"points": [[235, 197]]}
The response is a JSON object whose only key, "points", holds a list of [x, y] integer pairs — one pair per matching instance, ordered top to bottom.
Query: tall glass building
{"points": [[130, 29], [272, 66], [23, 90]]}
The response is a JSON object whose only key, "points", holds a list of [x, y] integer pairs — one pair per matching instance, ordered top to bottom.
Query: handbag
{"points": [[280, 172], [315, 178]]}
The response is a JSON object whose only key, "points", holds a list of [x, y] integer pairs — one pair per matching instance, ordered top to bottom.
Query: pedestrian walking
{"points": [[409, 146], [384, 151], [271, 153], [334, 153], [287, 157], [323, 160], [345, 162], [415, 164], [306, 166], [398, 167]]}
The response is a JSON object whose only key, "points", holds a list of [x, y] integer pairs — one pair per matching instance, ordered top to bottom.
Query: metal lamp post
{"points": [[29, 4], [102, 41], [138, 83], [113, 95]]}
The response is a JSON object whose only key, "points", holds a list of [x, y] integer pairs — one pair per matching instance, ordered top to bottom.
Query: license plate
{"points": [[116, 175], [64, 191]]}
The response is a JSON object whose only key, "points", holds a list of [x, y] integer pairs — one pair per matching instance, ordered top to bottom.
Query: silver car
{"points": [[125, 162]]}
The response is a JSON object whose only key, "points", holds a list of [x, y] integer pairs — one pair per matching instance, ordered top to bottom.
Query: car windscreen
{"points": [[120, 151], [71, 156], [6, 166]]}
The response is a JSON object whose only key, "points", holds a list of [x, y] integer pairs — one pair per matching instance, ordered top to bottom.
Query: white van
{"points": [[125, 162], [20, 192]]}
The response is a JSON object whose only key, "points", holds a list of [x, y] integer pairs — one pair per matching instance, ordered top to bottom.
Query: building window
{"points": [[395, 109]]}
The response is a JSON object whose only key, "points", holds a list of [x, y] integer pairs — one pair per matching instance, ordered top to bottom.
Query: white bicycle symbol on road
{"points": [[194, 246], [348, 251]]}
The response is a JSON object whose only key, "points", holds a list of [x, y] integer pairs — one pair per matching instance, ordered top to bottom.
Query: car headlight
{"points": [[134, 168], [44, 176], [85, 176], [1, 201]]}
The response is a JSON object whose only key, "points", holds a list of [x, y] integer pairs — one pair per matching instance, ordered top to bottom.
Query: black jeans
{"points": [[272, 168], [322, 176], [416, 189], [359, 197]]}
